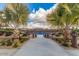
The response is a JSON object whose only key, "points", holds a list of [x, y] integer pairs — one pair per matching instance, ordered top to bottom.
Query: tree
{"points": [[17, 13], [66, 15], [8, 16], [1, 18]]}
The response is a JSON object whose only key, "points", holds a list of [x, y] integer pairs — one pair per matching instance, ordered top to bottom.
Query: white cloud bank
{"points": [[39, 17]]}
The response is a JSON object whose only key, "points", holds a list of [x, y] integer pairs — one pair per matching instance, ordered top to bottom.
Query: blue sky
{"points": [[2, 6], [32, 6], [36, 6]]}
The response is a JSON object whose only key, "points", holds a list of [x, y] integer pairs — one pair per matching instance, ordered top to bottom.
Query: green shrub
{"points": [[6, 30], [22, 39], [9, 42], [2, 43], [16, 43], [66, 44]]}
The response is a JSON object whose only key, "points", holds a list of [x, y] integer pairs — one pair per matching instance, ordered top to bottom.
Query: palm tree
{"points": [[17, 13], [71, 14], [8, 15], [65, 16], [1, 18], [54, 20]]}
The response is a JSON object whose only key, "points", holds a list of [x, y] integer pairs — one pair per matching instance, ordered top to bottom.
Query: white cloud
{"points": [[52, 8], [41, 13], [32, 16], [40, 16]]}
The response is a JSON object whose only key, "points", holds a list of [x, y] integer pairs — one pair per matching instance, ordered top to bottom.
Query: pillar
{"points": [[34, 35], [46, 35]]}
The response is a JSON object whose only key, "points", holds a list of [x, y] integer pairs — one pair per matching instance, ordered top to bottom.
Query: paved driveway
{"points": [[41, 46]]}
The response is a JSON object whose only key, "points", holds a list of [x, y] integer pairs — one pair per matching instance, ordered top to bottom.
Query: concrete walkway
{"points": [[41, 46]]}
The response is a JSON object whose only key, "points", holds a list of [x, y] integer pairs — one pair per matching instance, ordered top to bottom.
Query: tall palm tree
{"points": [[16, 13], [71, 14], [65, 16]]}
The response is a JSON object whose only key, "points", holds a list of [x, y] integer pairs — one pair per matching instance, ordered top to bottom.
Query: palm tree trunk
{"points": [[66, 34]]}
